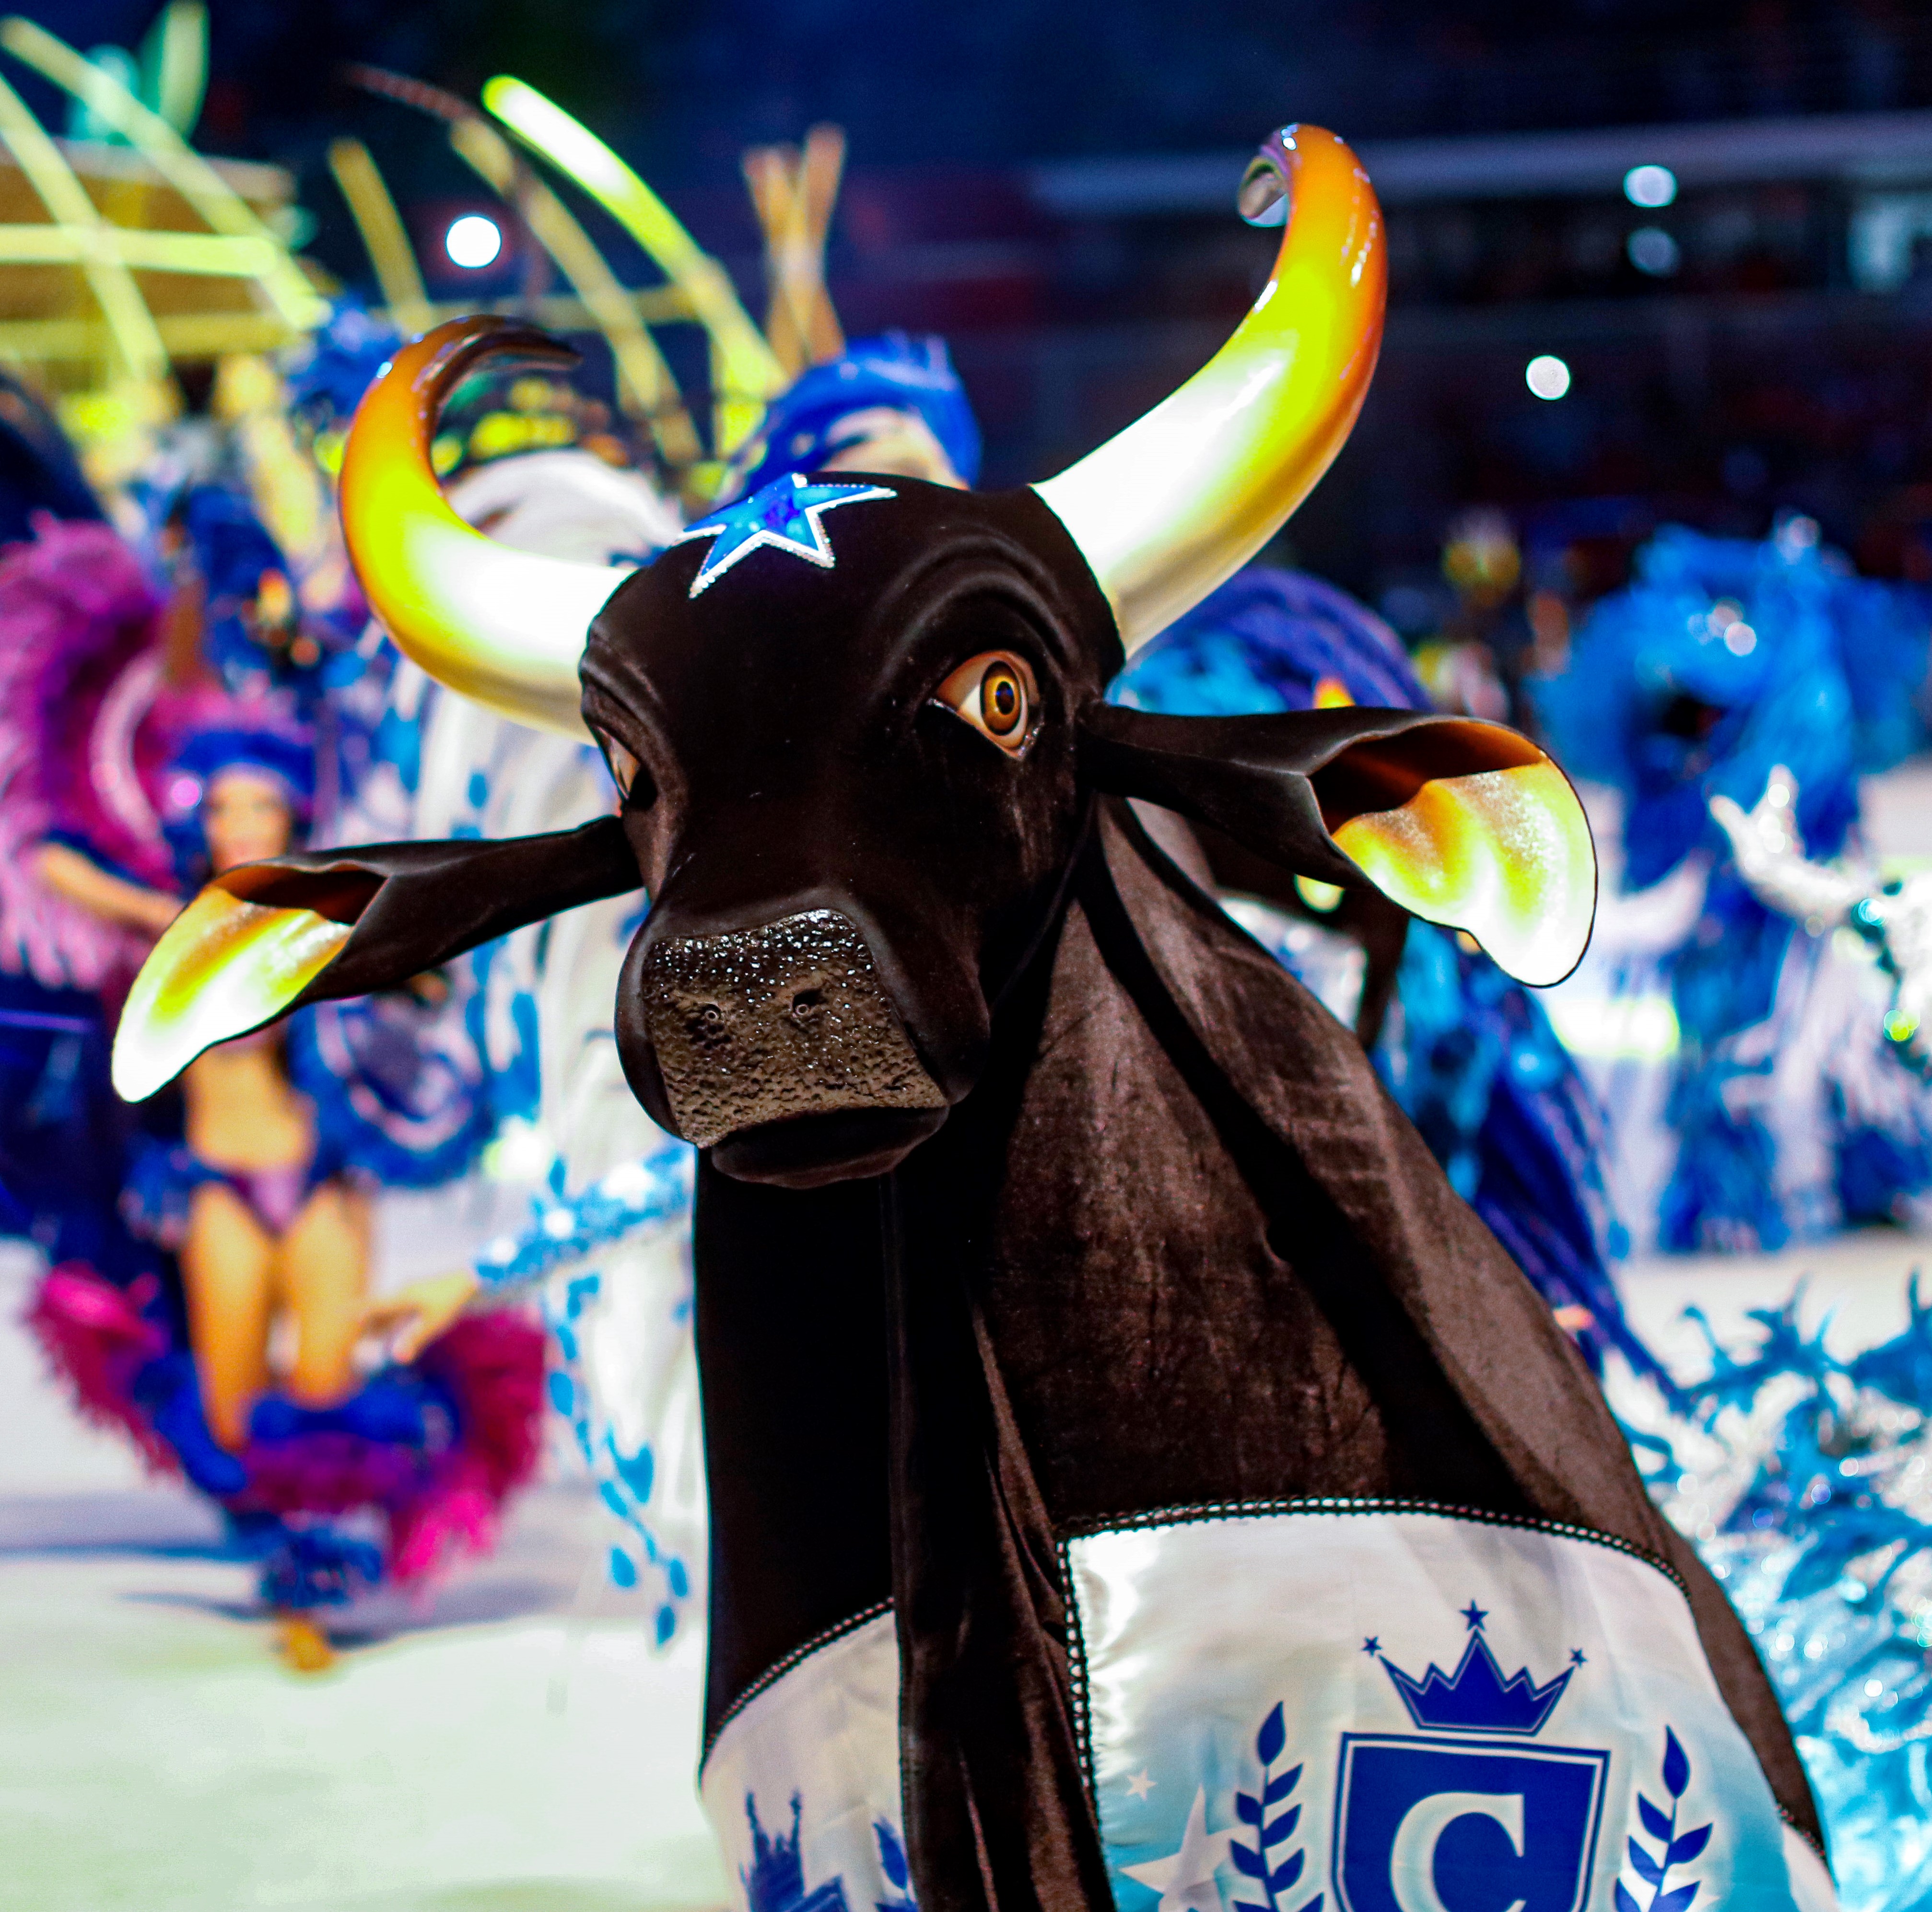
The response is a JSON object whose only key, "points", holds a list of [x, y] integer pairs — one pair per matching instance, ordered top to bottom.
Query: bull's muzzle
{"points": [[786, 1024]]}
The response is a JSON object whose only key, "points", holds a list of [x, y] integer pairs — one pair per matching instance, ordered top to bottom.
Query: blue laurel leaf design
{"points": [[1273, 1737], [1269, 1743], [1676, 1765], [1283, 1828], [1679, 1848], [1686, 1848], [891, 1854]]}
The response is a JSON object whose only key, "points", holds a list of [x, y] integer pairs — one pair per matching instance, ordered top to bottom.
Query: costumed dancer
{"points": [[154, 758], [1892, 918], [1469, 1053], [430, 1078], [1750, 1105], [607, 1248], [1110, 1408], [1803, 1474], [1800, 1475]]}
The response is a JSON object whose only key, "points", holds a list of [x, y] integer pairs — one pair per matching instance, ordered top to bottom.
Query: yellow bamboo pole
{"points": [[184, 64], [793, 193], [225, 210], [381, 227], [140, 249], [130, 323], [183, 335], [199, 335], [745, 373], [642, 376]]}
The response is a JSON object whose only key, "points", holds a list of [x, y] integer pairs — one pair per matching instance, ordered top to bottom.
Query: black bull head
{"points": [[860, 751], [854, 795], [900, 921]]}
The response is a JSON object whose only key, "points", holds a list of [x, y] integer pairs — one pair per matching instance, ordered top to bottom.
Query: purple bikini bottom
{"points": [[274, 1196]]}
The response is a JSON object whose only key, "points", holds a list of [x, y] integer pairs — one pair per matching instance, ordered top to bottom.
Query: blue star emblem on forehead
{"points": [[788, 514]]}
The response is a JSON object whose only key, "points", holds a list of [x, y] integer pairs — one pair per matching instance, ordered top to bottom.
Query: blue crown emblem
{"points": [[1476, 1698], [775, 1880]]}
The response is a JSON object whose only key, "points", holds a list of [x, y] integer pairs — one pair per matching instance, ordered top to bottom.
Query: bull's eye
{"points": [[994, 693], [623, 765]]}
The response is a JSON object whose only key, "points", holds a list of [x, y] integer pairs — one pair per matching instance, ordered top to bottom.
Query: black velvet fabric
{"points": [[1177, 1246], [793, 1346], [1524, 1388]]}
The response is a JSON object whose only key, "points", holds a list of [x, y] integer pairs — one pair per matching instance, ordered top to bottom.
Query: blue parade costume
{"points": [[1720, 661], [1708, 694], [1801, 1475]]}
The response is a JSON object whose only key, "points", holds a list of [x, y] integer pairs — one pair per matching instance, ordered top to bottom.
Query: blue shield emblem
{"points": [[1441, 1825]]}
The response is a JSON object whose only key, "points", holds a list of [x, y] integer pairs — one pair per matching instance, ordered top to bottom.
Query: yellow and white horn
{"points": [[1179, 501], [504, 628]]}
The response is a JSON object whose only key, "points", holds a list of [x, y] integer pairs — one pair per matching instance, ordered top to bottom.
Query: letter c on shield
{"points": [[1412, 1855]]}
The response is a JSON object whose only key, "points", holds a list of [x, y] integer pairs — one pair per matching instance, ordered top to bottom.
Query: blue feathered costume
{"points": [[1722, 660]]}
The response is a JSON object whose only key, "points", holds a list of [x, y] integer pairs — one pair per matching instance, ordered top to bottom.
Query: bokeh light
{"points": [[1650, 186], [473, 241], [1652, 251], [1546, 376]]}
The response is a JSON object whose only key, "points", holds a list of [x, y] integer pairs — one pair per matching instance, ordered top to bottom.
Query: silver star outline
{"points": [[787, 516], [1185, 1879]]}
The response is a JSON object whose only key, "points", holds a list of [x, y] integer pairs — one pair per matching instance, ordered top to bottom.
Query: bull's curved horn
{"points": [[1185, 496], [503, 627]]}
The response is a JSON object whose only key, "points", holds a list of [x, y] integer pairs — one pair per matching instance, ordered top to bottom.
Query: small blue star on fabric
{"points": [[787, 514], [1475, 1616], [1372, 1644]]}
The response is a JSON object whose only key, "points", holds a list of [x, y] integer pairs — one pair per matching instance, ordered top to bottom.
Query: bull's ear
{"points": [[1463, 824], [268, 938]]}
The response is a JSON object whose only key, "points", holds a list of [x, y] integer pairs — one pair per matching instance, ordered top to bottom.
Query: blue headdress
{"points": [[326, 379], [801, 429], [1265, 640], [1722, 659], [258, 735]]}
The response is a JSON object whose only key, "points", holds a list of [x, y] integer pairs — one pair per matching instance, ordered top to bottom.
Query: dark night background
{"points": [[1052, 186]]}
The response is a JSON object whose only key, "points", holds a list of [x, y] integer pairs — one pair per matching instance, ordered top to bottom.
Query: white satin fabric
{"points": [[1421, 1793]]}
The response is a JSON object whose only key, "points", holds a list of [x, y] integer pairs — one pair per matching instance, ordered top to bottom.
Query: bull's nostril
{"points": [[753, 1027]]}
